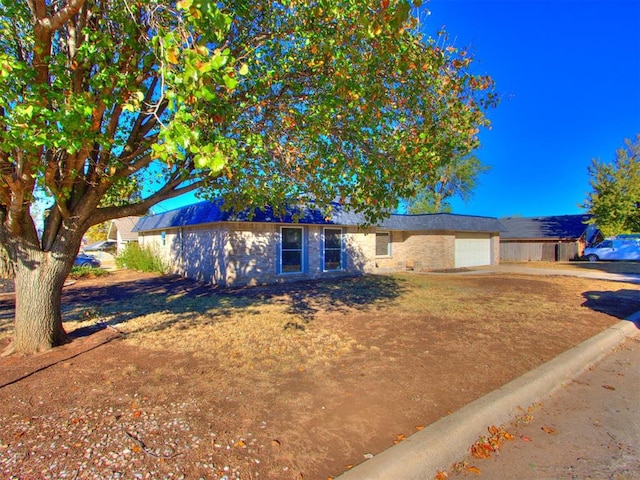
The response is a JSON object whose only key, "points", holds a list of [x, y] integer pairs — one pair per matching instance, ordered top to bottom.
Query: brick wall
{"points": [[409, 250], [242, 253]]}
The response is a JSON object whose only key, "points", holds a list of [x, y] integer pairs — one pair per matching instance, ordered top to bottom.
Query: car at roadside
{"points": [[614, 249], [84, 260]]}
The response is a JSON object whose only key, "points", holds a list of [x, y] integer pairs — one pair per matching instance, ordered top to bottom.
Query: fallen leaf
{"points": [[608, 387], [534, 406], [137, 413], [524, 419], [420, 427], [550, 430], [400, 437], [524, 438], [275, 443], [240, 444], [136, 448], [481, 450], [461, 468], [472, 469], [440, 475]]}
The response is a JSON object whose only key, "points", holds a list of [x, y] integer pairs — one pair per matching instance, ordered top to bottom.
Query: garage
{"points": [[472, 249]]}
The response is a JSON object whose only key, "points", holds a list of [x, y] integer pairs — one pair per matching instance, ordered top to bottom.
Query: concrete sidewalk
{"points": [[574, 272], [606, 425], [589, 428]]}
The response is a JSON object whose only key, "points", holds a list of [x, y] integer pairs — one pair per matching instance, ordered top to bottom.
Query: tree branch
{"points": [[59, 19], [167, 192]]}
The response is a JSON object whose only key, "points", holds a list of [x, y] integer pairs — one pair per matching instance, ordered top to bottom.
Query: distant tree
{"points": [[111, 106], [456, 177], [614, 200], [95, 233]]}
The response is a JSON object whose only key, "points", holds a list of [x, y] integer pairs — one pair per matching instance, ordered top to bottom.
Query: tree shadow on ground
{"points": [[120, 302], [620, 303]]}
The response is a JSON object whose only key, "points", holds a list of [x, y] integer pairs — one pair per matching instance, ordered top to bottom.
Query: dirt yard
{"points": [[282, 382]]}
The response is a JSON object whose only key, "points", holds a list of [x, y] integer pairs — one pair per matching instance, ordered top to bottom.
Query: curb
{"points": [[446, 441]]}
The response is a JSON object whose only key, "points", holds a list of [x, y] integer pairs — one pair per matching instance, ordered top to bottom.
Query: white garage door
{"points": [[472, 249]]}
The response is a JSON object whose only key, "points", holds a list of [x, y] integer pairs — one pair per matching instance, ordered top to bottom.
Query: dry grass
{"points": [[249, 330], [264, 330], [316, 374]]}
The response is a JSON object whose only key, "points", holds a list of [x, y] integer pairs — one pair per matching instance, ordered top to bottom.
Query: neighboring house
{"points": [[121, 231], [554, 238], [203, 242], [103, 250]]}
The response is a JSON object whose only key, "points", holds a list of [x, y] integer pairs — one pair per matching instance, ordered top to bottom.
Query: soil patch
{"points": [[281, 382]]}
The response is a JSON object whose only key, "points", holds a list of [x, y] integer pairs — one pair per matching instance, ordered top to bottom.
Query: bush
{"points": [[141, 258], [84, 272]]}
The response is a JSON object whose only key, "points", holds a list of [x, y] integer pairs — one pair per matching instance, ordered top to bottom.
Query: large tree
{"points": [[255, 102], [614, 200]]}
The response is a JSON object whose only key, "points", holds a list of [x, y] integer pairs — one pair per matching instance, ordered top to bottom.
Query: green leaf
{"points": [[184, 4], [219, 60], [230, 82], [218, 162]]}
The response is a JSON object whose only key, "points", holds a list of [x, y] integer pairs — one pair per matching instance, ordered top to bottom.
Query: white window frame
{"points": [[281, 250], [324, 250], [388, 254]]}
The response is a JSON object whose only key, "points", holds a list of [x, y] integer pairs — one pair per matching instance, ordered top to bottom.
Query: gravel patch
{"points": [[115, 442]]}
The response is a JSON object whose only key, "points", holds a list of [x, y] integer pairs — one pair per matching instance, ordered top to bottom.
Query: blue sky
{"points": [[568, 72]]}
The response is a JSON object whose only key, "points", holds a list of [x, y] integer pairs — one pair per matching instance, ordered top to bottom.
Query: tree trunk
{"points": [[6, 267], [38, 317]]}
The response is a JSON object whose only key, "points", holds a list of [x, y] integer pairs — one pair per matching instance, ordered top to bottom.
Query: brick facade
{"points": [[248, 253]]}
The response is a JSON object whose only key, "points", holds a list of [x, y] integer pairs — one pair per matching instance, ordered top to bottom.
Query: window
{"points": [[163, 238], [383, 244], [332, 249], [291, 250]]}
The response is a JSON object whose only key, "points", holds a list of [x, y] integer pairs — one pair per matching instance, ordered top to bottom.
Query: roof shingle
{"points": [[211, 212], [553, 227]]}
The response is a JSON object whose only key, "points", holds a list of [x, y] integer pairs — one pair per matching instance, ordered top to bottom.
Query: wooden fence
{"points": [[538, 251]]}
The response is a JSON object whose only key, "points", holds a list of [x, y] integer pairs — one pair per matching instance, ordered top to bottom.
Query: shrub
{"points": [[142, 258], [84, 272]]}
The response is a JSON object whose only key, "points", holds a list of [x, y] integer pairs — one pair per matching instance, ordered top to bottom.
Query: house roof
{"points": [[210, 212], [442, 221], [125, 227], [561, 227], [100, 246]]}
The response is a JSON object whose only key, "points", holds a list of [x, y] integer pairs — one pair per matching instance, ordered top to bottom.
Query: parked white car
{"points": [[614, 249]]}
